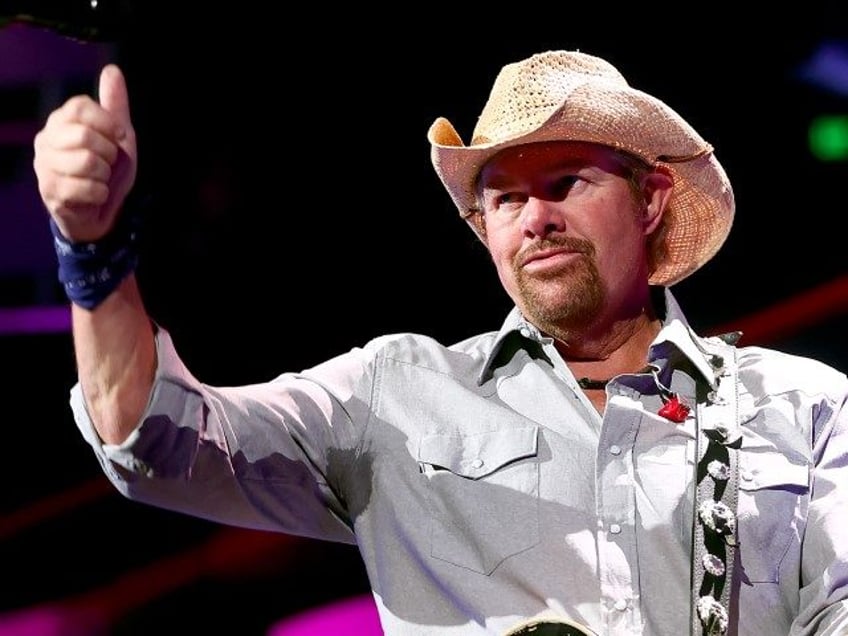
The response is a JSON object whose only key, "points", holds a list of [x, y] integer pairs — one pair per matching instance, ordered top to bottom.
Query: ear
{"points": [[656, 191], [477, 221]]}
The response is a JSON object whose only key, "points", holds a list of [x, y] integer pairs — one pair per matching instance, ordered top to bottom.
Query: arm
{"points": [[85, 161], [262, 456], [824, 566]]}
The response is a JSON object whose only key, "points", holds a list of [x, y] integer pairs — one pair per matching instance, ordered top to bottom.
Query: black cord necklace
{"points": [[591, 383]]}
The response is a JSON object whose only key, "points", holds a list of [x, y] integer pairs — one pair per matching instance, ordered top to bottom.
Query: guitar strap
{"points": [[716, 483]]}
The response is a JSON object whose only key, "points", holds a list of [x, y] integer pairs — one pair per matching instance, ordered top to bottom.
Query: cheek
{"points": [[616, 224], [621, 251], [503, 253]]}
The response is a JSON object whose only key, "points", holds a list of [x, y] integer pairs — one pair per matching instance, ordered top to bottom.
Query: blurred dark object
{"points": [[83, 20]]}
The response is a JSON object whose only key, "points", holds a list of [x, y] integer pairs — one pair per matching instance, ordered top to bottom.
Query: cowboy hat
{"points": [[574, 96]]}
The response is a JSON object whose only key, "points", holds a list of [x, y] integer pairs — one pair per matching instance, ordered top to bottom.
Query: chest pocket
{"points": [[483, 495], [773, 499]]}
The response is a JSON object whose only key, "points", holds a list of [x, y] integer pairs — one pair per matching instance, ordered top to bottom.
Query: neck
{"points": [[622, 349]]}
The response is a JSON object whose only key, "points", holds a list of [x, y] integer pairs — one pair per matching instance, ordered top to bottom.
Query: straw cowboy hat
{"points": [[570, 95]]}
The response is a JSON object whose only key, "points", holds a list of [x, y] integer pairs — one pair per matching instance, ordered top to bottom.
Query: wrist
{"points": [[90, 271]]}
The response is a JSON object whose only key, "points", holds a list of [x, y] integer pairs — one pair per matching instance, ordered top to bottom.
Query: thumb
{"points": [[112, 94], [113, 98]]}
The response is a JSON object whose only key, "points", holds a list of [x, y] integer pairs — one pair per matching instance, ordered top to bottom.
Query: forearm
{"points": [[116, 360]]}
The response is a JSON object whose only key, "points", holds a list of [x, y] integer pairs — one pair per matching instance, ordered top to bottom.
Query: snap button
{"points": [[524, 331], [615, 449], [477, 463], [747, 475], [615, 528], [620, 605]]}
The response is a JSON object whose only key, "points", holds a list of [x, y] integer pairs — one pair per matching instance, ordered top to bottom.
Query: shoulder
{"points": [[422, 350], [394, 354], [779, 372]]}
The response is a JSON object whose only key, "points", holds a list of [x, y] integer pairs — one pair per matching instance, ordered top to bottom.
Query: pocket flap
{"points": [[480, 454], [771, 470]]}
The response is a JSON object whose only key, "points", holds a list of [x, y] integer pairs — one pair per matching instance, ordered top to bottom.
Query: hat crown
{"points": [[526, 93]]}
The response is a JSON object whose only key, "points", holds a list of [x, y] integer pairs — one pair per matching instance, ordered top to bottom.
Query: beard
{"points": [[566, 299]]}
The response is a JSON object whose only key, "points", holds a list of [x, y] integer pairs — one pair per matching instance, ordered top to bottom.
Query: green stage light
{"points": [[828, 137]]}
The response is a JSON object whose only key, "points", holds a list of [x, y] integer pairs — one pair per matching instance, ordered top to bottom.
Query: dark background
{"points": [[292, 212]]}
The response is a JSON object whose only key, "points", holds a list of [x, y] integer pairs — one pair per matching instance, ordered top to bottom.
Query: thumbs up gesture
{"points": [[86, 159]]}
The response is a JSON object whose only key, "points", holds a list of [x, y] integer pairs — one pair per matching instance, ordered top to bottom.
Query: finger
{"points": [[113, 96], [83, 110], [73, 137], [84, 164], [51, 166], [63, 194]]}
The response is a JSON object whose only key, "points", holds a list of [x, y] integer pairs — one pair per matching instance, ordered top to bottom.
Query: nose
{"points": [[541, 218]]}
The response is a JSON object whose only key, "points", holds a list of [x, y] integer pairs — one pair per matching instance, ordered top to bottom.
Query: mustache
{"points": [[568, 243]]}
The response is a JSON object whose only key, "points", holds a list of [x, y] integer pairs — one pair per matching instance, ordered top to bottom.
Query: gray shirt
{"points": [[483, 488]]}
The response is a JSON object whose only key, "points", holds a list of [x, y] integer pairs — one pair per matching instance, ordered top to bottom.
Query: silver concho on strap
{"points": [[713, 616]]}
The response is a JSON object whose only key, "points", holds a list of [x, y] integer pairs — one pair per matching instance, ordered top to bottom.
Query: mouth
{"points": [[549, 258]]}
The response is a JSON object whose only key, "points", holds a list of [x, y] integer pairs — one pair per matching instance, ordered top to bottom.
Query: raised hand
{"points": [[86, 159]]}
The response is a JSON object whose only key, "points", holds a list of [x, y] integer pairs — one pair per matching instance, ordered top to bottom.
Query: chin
{"points": [[574, 304]]}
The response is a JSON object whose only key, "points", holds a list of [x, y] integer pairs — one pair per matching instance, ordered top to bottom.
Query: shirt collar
{"points": [[514, 327], [675, 331]]}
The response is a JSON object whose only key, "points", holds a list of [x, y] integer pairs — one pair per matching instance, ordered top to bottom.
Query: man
{"points": [[593, 465]]}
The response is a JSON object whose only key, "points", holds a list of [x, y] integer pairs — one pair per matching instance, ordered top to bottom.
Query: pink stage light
{"points": [[356, 616]]}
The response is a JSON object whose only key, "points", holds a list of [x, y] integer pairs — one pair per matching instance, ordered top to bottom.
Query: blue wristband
{"points": [[89, 272]]}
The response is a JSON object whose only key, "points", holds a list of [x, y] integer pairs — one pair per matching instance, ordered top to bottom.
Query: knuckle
{"points": [[75, 106]]}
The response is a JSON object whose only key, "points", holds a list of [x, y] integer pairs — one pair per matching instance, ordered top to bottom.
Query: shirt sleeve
{"points": [[267, 456], [824, 568]]}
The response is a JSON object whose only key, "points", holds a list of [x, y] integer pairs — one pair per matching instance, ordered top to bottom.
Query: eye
{"points": [[564, 185], [505, 198], [502, 200]]}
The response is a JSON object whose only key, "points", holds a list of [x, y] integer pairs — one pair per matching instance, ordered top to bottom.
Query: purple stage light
{"points": [[34, 320]]}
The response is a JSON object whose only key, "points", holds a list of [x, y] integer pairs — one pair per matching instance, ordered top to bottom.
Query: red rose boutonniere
{"points": [[673, 409]]}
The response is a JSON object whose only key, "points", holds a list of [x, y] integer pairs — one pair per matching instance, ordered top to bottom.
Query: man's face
{"points": [[567, 232]]}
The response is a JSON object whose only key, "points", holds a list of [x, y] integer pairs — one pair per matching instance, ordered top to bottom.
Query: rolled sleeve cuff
{"points": [[171, 381]]}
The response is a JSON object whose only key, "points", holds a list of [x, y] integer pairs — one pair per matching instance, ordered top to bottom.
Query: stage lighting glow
{"points": [[828, 137]]}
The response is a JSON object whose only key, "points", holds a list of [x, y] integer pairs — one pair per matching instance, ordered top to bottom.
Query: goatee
{"points": [[566, 299]]}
